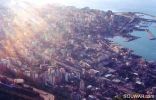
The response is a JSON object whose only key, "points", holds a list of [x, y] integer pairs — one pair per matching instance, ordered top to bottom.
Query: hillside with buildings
{"points": [[66, 52]]}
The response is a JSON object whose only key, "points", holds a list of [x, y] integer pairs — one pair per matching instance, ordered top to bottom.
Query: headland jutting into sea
{"points": [[65, 51]]}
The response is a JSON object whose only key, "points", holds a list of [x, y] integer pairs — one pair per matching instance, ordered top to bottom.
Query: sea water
{"points": [[142, 46]]}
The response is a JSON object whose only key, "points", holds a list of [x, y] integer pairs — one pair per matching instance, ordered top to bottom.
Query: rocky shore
{"points": [[70, 55]]}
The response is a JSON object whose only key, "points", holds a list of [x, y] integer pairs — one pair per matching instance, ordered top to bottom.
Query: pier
{"points": [[150, 35]]}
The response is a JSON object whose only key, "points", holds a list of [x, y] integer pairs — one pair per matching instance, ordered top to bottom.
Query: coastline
{"points": [[82, 63]]}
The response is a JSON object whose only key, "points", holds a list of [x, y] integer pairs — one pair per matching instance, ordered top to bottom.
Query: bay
{"points": [[142, 46]]}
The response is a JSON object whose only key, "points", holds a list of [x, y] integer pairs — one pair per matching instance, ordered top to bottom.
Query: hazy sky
{"points": [[115, 5]]}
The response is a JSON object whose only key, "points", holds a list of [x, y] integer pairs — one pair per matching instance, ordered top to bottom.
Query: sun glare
{"points": [[43, 2], [61, 2], [27, 21]]}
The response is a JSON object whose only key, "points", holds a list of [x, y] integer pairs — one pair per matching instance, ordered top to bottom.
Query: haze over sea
{"points": [[143, 46]]}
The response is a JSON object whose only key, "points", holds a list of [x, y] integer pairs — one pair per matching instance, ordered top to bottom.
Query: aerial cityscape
{"points": [[51, 51]]}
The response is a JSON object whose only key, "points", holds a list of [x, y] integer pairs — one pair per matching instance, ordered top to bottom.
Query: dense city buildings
{"points": [[66, 52]]}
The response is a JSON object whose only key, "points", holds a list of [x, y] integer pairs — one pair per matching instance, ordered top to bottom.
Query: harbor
{"points": [[65, 53]]}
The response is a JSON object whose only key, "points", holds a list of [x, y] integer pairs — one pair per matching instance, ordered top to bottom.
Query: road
{"points": [[44, 94]]}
